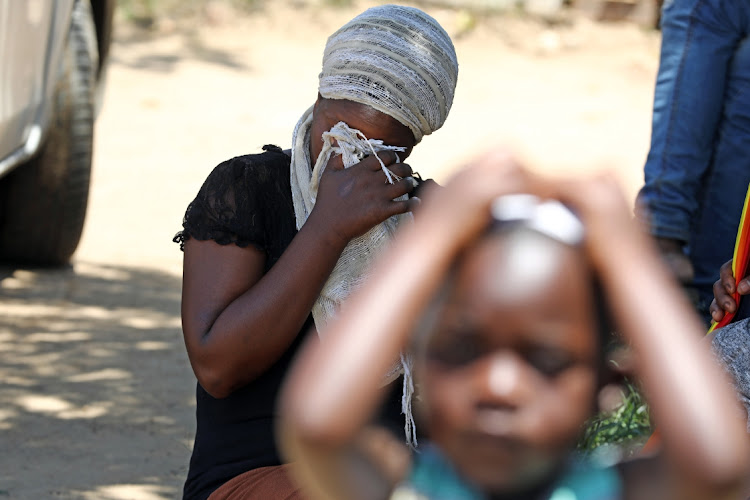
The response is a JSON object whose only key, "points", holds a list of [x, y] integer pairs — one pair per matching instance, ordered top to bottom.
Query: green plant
{"points": [[626, 426]]}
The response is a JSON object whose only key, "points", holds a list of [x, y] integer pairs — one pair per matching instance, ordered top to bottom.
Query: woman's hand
{"points": [[352, 200], [724, 290]]}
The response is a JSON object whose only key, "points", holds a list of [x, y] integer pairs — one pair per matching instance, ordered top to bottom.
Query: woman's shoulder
{"points": [[271, 163], [242, 201]]}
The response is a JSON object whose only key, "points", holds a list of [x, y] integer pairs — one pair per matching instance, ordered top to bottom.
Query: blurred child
{"points": [[508, 357]]}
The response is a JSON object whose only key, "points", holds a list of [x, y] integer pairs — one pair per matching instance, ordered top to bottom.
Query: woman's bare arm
{"points": [[236, 321]]}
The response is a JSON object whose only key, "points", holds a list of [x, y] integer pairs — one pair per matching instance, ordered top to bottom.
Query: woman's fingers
{"points": [[335, 163], [371, 163], [400, 169], [399, 188], [402, 206], [726, 278], [724, 290], [723, 299], [716, 312]]}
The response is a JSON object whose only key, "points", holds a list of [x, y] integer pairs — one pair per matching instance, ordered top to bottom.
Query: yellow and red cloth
{"points": [[739, 260]]}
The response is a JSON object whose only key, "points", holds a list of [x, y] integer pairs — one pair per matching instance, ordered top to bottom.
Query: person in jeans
{"points": [[698, 167]]}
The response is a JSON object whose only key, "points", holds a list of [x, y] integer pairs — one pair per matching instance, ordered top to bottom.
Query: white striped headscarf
{"points": [[396, 59]]}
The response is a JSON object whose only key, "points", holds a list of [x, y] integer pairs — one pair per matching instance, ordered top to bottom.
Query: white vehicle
{"points": [[52, 59]]}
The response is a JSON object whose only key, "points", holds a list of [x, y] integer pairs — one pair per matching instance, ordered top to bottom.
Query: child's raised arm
{"points": [[334, 387], [705, 445]]}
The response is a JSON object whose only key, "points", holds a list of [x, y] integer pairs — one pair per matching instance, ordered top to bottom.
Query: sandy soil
{"points": [[96, 400]]}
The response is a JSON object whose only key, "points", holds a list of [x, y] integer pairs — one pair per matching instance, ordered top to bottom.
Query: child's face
{"points": [[509, 375]]}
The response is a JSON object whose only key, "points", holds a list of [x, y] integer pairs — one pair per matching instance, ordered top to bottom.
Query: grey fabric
{"points": [[731, 344]]}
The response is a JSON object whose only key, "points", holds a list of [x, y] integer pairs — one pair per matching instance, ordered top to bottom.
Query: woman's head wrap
{"points": [[397, 60]]}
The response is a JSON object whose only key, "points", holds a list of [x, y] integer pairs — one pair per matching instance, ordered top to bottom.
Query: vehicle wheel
{"points": [[44, 201]]}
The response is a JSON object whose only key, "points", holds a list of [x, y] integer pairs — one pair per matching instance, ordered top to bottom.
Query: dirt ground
{"points": [[96, 400]]}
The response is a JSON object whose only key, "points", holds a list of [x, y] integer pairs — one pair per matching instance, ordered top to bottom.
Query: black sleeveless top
{"points": [[246, 201]]}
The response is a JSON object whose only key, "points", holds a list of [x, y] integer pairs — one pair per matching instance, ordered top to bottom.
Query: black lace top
{"points": [[245, 201]]}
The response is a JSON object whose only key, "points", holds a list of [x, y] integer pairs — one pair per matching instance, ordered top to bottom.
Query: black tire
{"points": [[44, 201]]}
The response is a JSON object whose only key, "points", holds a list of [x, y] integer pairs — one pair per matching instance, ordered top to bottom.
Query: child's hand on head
{"points": [[601, 205], [461, 209]]}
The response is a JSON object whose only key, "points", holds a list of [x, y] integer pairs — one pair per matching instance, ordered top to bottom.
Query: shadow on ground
{"points": [[190, 46], [97, 396]]}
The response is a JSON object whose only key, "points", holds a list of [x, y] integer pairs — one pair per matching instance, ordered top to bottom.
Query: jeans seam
{"points": [[673, 104]]}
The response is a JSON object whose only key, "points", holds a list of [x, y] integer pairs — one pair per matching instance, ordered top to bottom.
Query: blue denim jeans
{"points": [[698, 167]]}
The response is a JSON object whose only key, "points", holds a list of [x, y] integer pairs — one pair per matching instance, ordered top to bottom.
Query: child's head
{"points": [[509, 371]]}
